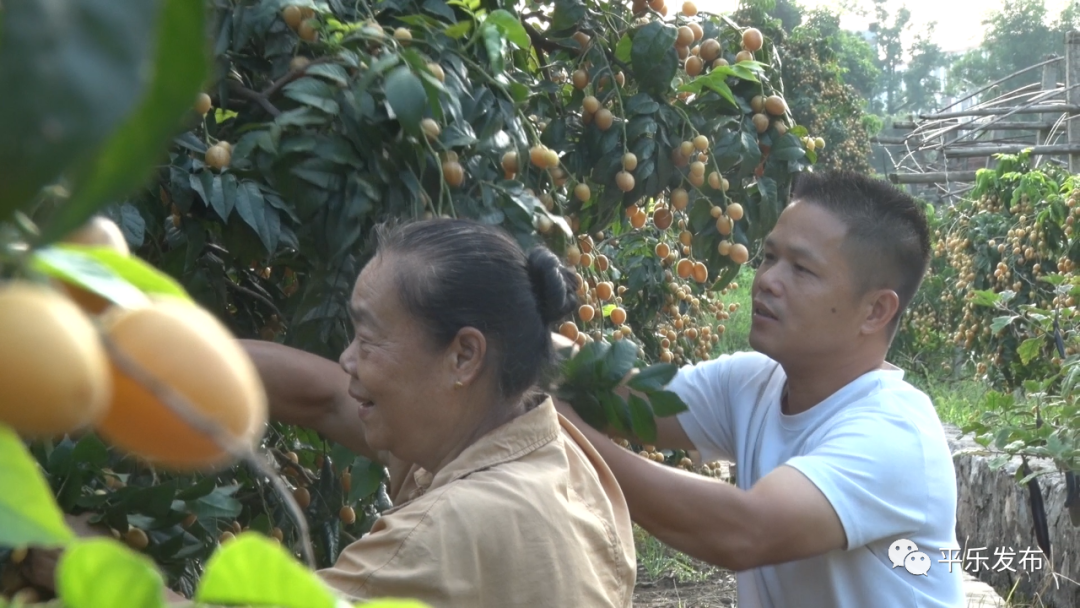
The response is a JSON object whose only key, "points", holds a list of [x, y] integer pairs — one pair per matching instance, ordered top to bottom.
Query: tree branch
{"points": [[542, 43], [292, 75], [246, 93], [258, 296]]}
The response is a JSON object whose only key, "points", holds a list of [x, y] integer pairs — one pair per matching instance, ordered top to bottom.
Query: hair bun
{"points": [[554, 285]]}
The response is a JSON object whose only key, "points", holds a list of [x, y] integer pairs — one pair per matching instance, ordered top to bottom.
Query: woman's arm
{"points": [[307, 390]]}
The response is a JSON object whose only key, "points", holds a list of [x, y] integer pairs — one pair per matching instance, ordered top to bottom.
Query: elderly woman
{"points": [[498, 500]]}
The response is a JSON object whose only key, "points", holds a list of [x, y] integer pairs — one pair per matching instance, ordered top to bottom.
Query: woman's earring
{"points": [[458, 384]]}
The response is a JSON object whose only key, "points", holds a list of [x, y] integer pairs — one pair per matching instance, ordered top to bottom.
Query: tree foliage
{"points": [[600, 130]]}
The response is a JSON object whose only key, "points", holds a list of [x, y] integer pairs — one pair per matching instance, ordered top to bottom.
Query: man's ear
{"points": [[880, 308], [466, 355]]}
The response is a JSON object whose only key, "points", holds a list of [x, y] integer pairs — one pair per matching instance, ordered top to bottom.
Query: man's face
{"points": [[804, 299]]}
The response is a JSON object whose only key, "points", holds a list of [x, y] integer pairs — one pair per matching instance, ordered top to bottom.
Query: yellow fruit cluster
{"points": [[122, 371]]}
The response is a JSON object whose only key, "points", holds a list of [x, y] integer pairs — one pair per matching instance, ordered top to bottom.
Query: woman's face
{"points": [[403, 385]]}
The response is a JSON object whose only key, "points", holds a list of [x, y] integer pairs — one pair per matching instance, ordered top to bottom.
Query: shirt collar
{"points": [[525, 433]]}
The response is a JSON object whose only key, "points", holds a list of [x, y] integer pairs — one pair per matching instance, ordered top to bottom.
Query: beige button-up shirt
{"points": [[529, 516]]}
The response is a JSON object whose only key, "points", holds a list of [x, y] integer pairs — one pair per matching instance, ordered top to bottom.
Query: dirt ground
{"points": [[716, 591]]}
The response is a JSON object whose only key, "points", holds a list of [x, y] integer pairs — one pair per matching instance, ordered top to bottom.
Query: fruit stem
{"points": [[179, 406]]}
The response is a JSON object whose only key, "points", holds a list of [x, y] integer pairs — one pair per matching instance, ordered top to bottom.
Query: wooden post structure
{"points": [[1050, 73], [1072, 93]]}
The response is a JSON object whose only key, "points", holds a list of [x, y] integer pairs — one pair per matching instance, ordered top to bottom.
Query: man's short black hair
{"points": [[888, 238]]}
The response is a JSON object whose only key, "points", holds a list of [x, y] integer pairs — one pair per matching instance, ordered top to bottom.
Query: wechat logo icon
{"points": [[905, 554]]}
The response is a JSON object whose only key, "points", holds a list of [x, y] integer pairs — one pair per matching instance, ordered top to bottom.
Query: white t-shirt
{"points": [[875, 448]]}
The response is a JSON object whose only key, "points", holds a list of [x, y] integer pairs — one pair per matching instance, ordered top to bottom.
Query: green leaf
{"points": [[568, 13], [511, 28], [459, 30], [495, 44], [623, 48], [654, 58], [330, 71], [70, 73], [715, 81], [314, 93], [407, 98], [641, 104], [787, 148], [129, 157], [78, 267], [143, 276], [985, 298], [1000, 323], [1029, 349], [620, 360], [653, 378], [666, 403], [642, 422], [365, 479], [29, 514], [253, 569], [98, 572]]}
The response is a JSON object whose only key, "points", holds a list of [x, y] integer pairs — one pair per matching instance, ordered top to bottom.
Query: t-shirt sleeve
{"points": [[707, 421], [869, 466]]}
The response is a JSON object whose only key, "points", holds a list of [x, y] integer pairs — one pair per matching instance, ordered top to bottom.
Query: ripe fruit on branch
{"points": [[689, 8], [292, 16], [307, 31], [403, 36], [684, 36], [752, 40], [710, 49], [743, 56], [693, 66], [437, 71], [581, 79], [202, 103], [590, 104], [775, 105], [604, 118], [761, 122], [431, 128], [218, 157], [629, 161], [510, 163], [453, 173], [624, 181], [582, 192], [735, 211], [739, 254], [586, 312], [618, 316], [183, 347], [55, 375]]}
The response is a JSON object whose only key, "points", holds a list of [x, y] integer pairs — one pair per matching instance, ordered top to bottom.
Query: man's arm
{"points": [[309, 391], [784, 517]]}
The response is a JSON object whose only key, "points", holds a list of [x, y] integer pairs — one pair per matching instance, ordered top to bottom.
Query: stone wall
{"points": [[994, 511]]}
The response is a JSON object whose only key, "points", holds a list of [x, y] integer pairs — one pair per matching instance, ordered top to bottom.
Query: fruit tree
{"points": [[231, 190]]}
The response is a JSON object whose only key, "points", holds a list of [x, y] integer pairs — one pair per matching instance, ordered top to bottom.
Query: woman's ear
{"points": [[466, 355]]}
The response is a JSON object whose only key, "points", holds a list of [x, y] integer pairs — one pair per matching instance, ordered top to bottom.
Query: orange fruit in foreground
{"points": [[187, 349], [53, 368]]}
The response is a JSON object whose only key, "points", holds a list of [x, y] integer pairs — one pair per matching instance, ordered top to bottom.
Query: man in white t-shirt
{"points": [[845, 490]]}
